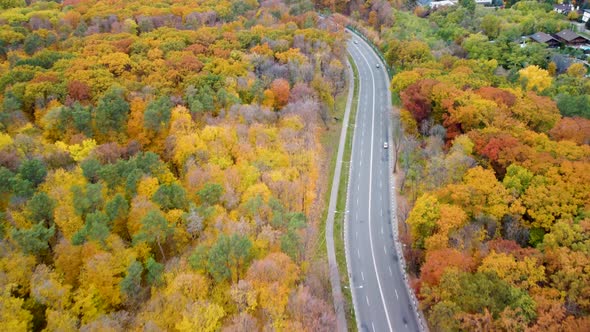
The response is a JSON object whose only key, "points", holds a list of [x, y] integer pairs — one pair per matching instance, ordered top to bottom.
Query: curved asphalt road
{"points": [[380, 297]]}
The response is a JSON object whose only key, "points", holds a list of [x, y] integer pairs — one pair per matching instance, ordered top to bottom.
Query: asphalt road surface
{"points": [[380, 298]]}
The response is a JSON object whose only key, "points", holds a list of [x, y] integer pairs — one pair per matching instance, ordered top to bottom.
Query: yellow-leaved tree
{"points": [[535, 78], [58, 186], [524, 273], [272, 277], [13, 317]]}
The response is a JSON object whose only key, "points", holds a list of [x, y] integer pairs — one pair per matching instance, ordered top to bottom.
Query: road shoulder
{"points": [[337, 295]]}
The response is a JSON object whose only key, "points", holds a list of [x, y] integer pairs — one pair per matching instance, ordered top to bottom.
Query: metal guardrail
{"points": [[377, 50], [421, 320]]}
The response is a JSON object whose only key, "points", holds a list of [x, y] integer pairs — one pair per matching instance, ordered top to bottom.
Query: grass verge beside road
{"points": [[330, 142], [341, 205]]}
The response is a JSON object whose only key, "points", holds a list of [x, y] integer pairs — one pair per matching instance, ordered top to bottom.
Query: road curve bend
{"points": [[381, 299]]}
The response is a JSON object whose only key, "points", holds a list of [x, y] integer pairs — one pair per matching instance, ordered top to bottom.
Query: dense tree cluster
{"points": [[493, 35], [160, 164], [495, 177]]}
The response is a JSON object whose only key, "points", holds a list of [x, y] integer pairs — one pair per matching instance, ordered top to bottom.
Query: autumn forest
{"points": [[161, 164], [164, 166], [494, 167]]}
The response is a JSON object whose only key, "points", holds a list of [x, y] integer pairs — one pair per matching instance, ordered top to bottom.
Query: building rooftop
{"points": [[436, 4], [565, 7], [568, 35], [541, 37]]}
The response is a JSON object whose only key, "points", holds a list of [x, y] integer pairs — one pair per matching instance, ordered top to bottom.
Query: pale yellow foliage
{"points": [[130, 26], [10, 35], [155, 53], [291, 54], [116, 62], [577, 70], [535, 78], [404, 79], [269, 98], [41, 111], [291, 121], [181, 122], [408, 122], [135, 123], [26, 128], [210, 133], [5, 140], [463, 143], [187, 146], [80, 151], [272, 157], [223, 161], [248, 174], [164, 175], [277, 175], [57, 185], [147, 186], [258, 189], [481, 193], [140, 206], [174, 216], [20, 220], [267, 240], [436, 242], [143, 251], [122, 254], [67, 261], [16, 269], [104, 272], [524, 274], [273, 278], [191, 285], [47, 289], [244, 295], [274, 298], [88, 303], [182, 306], [13, 317], [204, 317], [60, 321]]}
